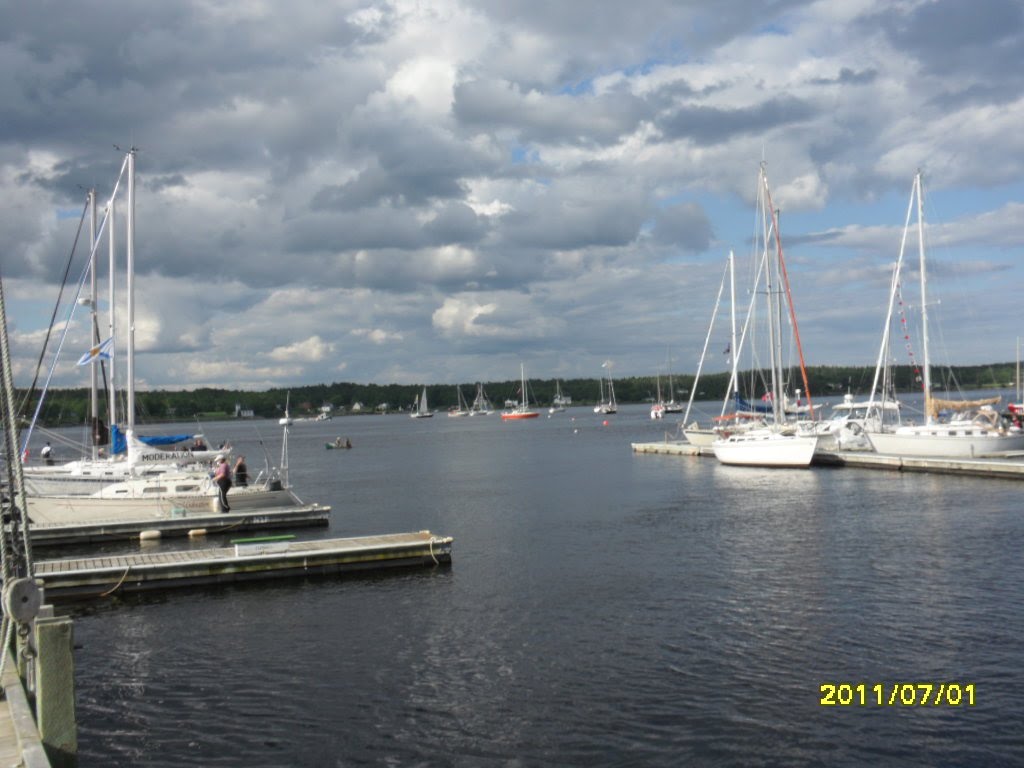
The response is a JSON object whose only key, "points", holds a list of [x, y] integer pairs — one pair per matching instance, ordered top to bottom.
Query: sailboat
{"points": [[560, 401], [607, 403], [481, 404], [658, 406], [671, 406], [419, 408], [462, 409], [522, 410], [286, 420], [976, 429], [778, 444]]}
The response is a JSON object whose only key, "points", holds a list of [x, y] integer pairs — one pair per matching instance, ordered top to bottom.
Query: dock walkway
{"points": [[179, 525], [82, 578]]}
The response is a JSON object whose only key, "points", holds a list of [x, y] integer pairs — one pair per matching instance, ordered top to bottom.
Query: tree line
{"points": [[69, 407]]}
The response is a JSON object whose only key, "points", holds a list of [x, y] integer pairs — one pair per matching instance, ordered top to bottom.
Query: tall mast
{"points": [[130, 250], [789, 301], [924, 302], [111, 326], [880, 366], [94, 399]]}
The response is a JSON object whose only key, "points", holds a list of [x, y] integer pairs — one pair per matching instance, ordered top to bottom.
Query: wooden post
{"points": [[55, 689]]}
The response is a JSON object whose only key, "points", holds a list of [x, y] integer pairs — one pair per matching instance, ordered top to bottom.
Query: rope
{"points": [[430, 544], [118, 585]]}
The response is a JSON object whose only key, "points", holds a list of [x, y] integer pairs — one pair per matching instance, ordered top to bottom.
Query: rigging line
{"points": [[56, 307], [16, 532]]}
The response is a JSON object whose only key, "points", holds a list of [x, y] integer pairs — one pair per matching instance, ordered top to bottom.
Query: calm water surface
{"points": [[602, 608]]}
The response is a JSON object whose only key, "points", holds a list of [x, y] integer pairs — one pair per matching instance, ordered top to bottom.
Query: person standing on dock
{"points": [[47, 454], [241, 472], [222, 477]]}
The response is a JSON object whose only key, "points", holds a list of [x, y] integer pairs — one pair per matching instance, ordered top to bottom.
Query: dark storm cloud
{"points": [[954, 37], [713, 125], [563, 224], [685, 226]]}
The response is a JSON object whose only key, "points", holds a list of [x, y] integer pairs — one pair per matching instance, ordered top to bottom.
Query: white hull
{"points": [[700, 437], [945, 441], [766, 448], [72, 510]]}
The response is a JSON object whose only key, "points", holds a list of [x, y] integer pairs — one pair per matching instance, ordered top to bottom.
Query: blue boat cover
{"points": [[119, 444]]}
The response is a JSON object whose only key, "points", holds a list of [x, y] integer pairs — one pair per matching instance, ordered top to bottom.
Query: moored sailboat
{"points": [[522, 409], [975, 428], [778, 443]]}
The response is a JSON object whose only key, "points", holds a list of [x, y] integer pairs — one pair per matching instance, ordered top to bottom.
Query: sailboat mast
{"points": [[130, 249], [894, 286], [771, 293], [789, 301], [924, 302], [111, 322], [707, 340], [522, 383], [94, 398]]}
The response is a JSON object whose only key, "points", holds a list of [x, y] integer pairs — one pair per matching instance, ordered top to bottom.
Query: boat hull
{"points": [[518, 415], [942, 441], [765, 448]]}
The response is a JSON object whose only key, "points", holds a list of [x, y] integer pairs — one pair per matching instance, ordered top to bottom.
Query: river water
{"points": [[603, 608]]}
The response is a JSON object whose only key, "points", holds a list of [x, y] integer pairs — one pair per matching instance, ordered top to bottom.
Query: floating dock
{"points": [[672, 448], [1010, 465], [178, 525], [84, 578]]}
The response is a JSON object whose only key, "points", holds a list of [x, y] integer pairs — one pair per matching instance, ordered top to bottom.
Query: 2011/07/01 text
{"points": [[897, 694]]}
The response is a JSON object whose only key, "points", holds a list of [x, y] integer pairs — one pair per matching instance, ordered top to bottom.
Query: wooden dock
{"points": [[672, 448], [1009, 466], [182, 525], [83, 578], [20, 743]]}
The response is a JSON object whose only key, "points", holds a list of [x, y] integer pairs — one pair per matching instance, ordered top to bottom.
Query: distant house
{"points": [[357, 407], [383, 408], [243, 413]]}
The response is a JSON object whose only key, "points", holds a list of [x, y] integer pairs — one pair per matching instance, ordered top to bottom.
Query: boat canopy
{"points": [[935, 406], [119, 442]]}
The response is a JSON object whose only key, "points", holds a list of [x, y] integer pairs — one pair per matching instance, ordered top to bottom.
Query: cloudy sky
{"points": [[436, 190]]}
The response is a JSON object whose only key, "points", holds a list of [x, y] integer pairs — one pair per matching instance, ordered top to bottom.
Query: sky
{"points": [[436, 191]]}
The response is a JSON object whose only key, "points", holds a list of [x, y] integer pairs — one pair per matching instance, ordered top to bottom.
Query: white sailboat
{"points": [[560, 401], [607, 403], [481, 404], [658, 406], [420, 408], [462, 409], [522, 409], [976, 428], [778, 444]]}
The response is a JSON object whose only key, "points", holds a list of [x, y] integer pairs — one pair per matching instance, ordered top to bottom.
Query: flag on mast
{"points": [[101, 351]]}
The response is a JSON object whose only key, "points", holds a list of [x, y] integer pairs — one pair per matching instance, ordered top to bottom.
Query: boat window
{"points": [[186, 488], [154, 489]]}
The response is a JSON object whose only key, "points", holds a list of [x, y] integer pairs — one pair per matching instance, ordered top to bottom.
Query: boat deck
{"points": [[90, 577]]}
